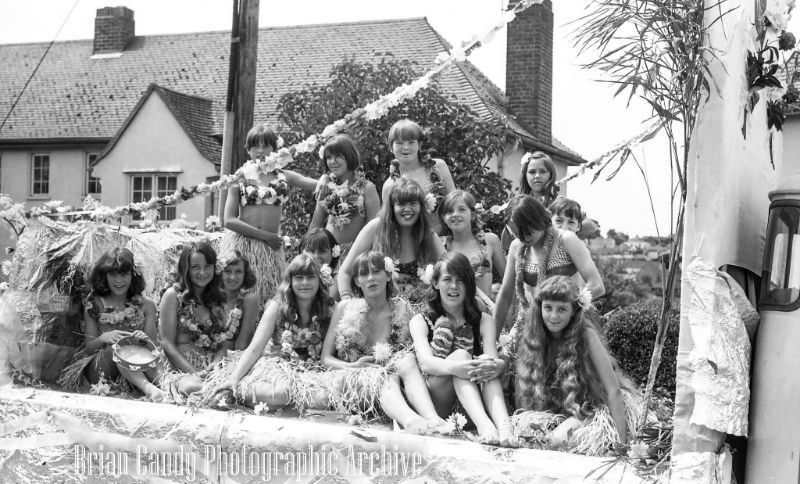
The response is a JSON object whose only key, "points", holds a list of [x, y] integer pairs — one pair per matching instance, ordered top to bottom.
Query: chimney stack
{"points": [[113, 29], [529, 69]]}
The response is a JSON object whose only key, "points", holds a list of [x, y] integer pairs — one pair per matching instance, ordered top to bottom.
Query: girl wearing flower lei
{"points": [[432, 174], [346, 200], [253, 212], [402, 231], [463, 234], [321, 245], [539, 251], [241, 304], [115, 309], [192, 320], [294, 323], [455, 345], [367, 346], [564, 367]]}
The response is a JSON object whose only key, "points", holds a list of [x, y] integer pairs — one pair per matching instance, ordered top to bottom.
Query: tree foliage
{"points": [[452, 132]]}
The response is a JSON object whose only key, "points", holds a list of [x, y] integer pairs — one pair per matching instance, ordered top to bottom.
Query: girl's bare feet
{"points": [[418, 426]]}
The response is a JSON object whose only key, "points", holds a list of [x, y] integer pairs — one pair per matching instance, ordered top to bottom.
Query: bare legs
{"points": [[394, 403]]}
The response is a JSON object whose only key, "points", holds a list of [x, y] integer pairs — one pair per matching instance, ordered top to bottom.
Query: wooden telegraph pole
{"points": [[241, 89]]}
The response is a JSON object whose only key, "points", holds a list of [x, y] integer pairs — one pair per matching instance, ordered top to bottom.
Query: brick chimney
{"points": [[113, 29], [529, 69]]}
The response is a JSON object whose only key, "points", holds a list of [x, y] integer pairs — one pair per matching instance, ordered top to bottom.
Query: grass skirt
{"points": [[267, 264], [199, 359], [72, 377], [595, 437]]}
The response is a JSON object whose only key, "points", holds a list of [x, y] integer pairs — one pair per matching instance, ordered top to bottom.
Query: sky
{"points": [[586, 116]]}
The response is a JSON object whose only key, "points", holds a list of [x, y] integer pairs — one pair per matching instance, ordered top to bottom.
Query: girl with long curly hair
{"points": [[403, 232], [294, 324], [455, 346], [563, 366]]}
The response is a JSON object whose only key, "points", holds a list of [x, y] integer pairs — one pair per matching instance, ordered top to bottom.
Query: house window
{"points": [[40, 174], [92, 182], [146, 186]]}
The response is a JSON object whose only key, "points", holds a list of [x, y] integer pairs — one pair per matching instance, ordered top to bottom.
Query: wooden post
{"points": [[241, 90], [245, 95]]}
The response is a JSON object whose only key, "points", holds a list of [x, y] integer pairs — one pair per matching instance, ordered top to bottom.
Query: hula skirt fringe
{"points": [[267, 264], [197, 358], [72, 377], [595, 437]]}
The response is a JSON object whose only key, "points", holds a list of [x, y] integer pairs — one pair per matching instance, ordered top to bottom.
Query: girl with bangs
{"points": [[432, 174], [346, 200], [402, 232], [463, 234], [321, 245], [538, 252], [241, 302], [114, 309], [192, 320], [293, 325], [455, 345], [367, 346], [563, 366]]}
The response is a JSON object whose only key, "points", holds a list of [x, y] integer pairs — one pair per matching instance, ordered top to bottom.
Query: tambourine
{"points": [[135, 354]]}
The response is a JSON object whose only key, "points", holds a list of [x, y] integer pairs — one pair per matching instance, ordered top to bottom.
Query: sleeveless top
{"points": [[275, 192], [343, 201], [557, 263], [481, 264], [131, 318], [207, 333], [300, 342]]}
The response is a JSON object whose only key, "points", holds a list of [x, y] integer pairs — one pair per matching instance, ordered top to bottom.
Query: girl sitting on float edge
{"points": [[346, 200], [241, 303], [115, 309], [294, 323], [194, 329], [455, 345], [367, 348], [563, 366]]}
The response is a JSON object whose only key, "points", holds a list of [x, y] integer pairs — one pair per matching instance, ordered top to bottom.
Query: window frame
{"points": [[89, 157], [32, 178], [154, 190], [769, 247]]}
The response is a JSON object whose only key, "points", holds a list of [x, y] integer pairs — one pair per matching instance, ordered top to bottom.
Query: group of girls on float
{"points": [[411, 329]]}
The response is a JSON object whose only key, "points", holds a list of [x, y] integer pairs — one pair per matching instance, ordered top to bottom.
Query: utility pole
{"points": [[240, 102]]}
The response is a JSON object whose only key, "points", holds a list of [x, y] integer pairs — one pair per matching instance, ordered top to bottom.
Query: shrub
{"points": [[631, 334]]}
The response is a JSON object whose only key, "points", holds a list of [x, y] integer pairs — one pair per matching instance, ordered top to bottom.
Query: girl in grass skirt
{"points": [[115, 309], [194, 328], [291, 330], [368, 349], [564, 368]]}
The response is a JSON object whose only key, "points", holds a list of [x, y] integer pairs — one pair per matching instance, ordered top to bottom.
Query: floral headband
{"points": [[225, 260]]}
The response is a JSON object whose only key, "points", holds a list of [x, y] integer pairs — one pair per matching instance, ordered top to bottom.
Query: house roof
{"points": [[76, 96], [193, 113]]}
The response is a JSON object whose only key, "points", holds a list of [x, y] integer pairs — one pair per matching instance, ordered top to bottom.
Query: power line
{"points": [[30, 78]]}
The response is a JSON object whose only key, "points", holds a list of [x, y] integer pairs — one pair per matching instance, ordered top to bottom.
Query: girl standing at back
{"points": [[432, 174], [538, 179], [346, 200], [253, 212], [463, 234], [115, 309], [563, 366]]}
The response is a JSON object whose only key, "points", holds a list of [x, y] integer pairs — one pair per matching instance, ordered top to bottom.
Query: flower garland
{"points": [[276, 192], [344, 200], [15, 214], [130, 316], [208, 334], [294, 337], [351, 341]]}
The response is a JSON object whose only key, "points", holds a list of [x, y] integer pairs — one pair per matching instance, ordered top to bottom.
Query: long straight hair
{"points": [[405, 190], [303, 265]]}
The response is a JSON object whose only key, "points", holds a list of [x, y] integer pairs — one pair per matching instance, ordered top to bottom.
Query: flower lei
{"points": [[276, 192], [436, 194], [344, 200], [131, 316], [208, 334], [293, 337], [350, 338]]}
